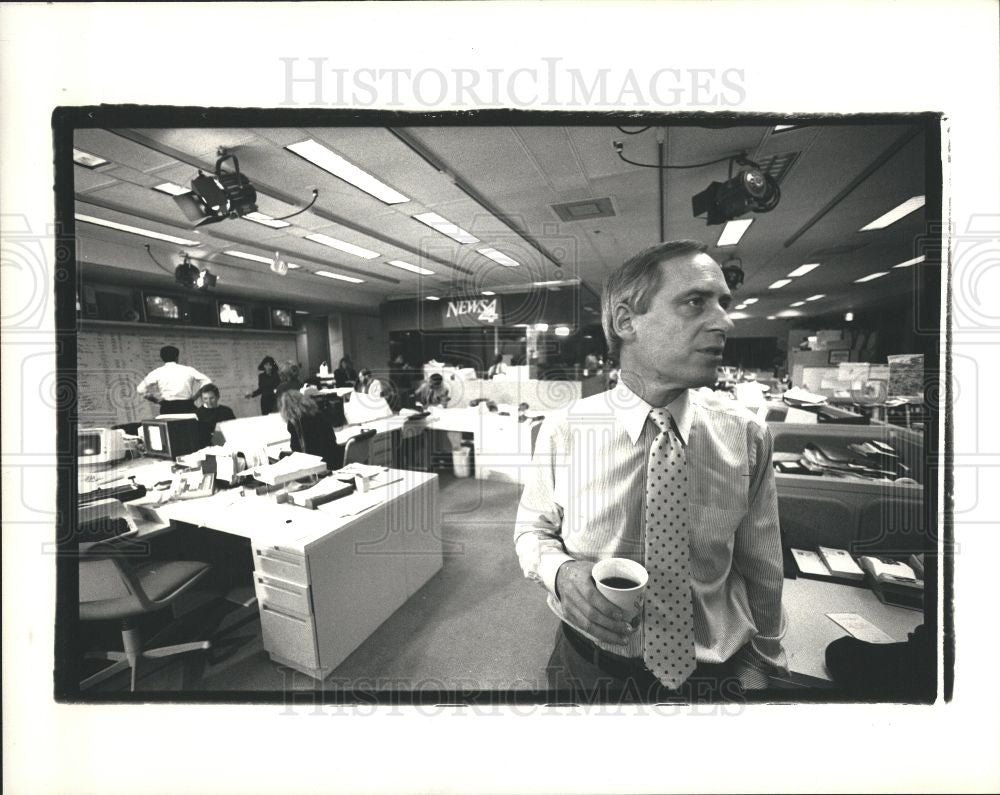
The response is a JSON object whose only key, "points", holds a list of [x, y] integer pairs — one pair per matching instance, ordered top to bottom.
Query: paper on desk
{"points": [[353, 504], [860, 628]]}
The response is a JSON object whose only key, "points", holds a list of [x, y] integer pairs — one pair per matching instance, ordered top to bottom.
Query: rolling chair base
{"points": [[133, 652]]}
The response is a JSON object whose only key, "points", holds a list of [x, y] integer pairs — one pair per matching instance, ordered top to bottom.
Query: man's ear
{"points": [[622, 317]]}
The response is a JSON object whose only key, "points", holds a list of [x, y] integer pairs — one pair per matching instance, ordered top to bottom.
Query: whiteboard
{"points": [[111, 361]]}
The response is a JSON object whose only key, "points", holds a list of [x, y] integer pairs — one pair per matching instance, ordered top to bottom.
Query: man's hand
{"points": [[586, 607]]}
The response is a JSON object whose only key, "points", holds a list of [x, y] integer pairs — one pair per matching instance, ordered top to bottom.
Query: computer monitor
{"points": [[170, 437], [99, 446]]}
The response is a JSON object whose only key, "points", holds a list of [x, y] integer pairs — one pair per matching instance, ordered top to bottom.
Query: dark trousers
{"points": [[177, 407], [586, 672]]}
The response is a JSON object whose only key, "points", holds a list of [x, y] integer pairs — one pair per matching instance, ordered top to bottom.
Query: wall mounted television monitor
{"points": [[164, 307], [232, 313], [282, 318], [169, 437]]}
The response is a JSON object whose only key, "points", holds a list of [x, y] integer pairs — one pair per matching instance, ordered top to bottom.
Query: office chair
{"points": [[358, 447], [112, 588]]}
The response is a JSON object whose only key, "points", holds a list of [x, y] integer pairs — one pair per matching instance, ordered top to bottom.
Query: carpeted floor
{"points": [[477, 624]]}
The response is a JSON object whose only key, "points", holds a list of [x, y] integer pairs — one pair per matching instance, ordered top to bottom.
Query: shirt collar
{"points": [[633, 411]]}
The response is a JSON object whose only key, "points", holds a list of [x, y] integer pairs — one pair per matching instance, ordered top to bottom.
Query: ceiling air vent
{"points": [[778, 166], [584, 210]]}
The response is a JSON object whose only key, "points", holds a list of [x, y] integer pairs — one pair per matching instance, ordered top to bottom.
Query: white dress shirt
{"points": [[173, 381], [584, 499]]}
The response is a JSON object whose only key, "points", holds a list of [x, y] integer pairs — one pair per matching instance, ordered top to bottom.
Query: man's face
{"points": [[679, 341], [209, 400]]}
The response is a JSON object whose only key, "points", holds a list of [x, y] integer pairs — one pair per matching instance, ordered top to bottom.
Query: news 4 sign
{"points": [[472, 312]]}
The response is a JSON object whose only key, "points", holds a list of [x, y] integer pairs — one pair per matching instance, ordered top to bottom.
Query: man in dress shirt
{"points": [[665, 318], [172, 385]]}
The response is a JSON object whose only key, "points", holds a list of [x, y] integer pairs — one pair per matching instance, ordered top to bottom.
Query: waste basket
{"points": [[461, 462]]}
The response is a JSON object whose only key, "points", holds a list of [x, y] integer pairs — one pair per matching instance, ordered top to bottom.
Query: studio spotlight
{"points": [[751, 190], [215, 197], [279, 265], [732, 269], [187, 274], [206, 280]]}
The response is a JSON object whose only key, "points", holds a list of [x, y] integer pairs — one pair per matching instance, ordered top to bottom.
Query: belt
{"points": [[613, 664]]}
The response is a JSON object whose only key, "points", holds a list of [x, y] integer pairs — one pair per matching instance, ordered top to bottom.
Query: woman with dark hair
{"points": [[345, 374], [267, 382], [367, 384], [310, 429]]}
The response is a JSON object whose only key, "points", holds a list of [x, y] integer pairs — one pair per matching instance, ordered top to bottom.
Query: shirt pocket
{"points": [[712, 535]]}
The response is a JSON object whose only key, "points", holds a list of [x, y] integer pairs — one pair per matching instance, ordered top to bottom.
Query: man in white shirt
{"points": [[172, 385], [588, 491]]}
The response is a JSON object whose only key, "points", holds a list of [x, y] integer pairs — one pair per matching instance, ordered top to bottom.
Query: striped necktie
{"points": [[668, 620]]}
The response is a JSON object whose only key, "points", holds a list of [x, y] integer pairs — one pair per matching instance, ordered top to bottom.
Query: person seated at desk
{"points": [[499, 367], [345, 374], [290, 378], [367, 384], [433, 392], [210, 412], [311, 430]]}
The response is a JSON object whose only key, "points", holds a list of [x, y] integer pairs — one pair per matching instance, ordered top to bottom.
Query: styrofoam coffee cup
{"points": [[628, 598]]}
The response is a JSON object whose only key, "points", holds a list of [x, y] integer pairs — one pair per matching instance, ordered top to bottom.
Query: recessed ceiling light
{"points": [[780, 127], [326, 159], [87, 160], [171, 189], [907, 207], [266, 220], [446, 227], [135, 230], [733, 231], [340, 245], [251, 257], [499, 257], [909, 262], [292, 266], [406, 266], [802, 270], [329, 275], [871, 276], [779, 284], [488, 292], [433, 297], [816, 297], [749, 301], [798, 303], [737, 308], [301, 312], [789, 313], [738, 315], [848, 316], [771, 317], [541, 326], [562, 331]]}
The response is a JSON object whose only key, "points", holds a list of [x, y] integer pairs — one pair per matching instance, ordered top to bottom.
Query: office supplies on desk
{"points": [[293, 467], [327, 490], [123, 492], [810, 562], [840, 563], [893, 582], [860, 628]]}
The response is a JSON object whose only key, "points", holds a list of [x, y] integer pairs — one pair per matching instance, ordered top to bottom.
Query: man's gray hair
{"points": [[636, 282]]}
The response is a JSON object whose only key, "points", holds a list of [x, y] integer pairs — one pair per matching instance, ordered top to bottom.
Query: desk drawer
{"points": [[280, 564], [282, 594], [289, 636]]}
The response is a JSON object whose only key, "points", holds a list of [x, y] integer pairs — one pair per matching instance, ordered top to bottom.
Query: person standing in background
{"points": [[497, 368], [267, 381], [172, 385], [211, 413]]}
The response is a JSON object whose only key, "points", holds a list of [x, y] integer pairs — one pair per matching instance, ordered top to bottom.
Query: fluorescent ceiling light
{"points": [[780, 127], [326, 159], [87, 160], [171, 189], [907, 207], [266, 220], [446, 227], [135, 230], [733, 231], [340, 245], [251, 257], [501, 258], [909, 262], [292, 266], [406, 266], [802, 270], [329, 275], [871, 276], [545, 284], [779, 284], [488, 292], [433, 297], [816, 297], [749, 301], [798, 303], [737, 308], [301, 312], [789, 313], [738, 315], [848, 316], [771, 317], [541, 326], [562, 331]]}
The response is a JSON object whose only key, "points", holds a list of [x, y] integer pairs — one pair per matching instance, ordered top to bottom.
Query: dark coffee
{"points": [[621, 583]]}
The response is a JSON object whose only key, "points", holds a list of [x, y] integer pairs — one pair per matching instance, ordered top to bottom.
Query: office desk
{"points": [[502, 444], [325, 582], [810, 631]]}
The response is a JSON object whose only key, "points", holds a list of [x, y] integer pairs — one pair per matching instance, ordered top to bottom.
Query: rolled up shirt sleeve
{"points": [[538, 527], [757, 556]]}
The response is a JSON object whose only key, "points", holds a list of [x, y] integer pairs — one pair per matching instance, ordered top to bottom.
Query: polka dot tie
{"points": [[668, 620]]}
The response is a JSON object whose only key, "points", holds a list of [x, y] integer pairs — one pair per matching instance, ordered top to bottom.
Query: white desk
{"points": [[502, 444], [325, 582], [810, 631]]}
